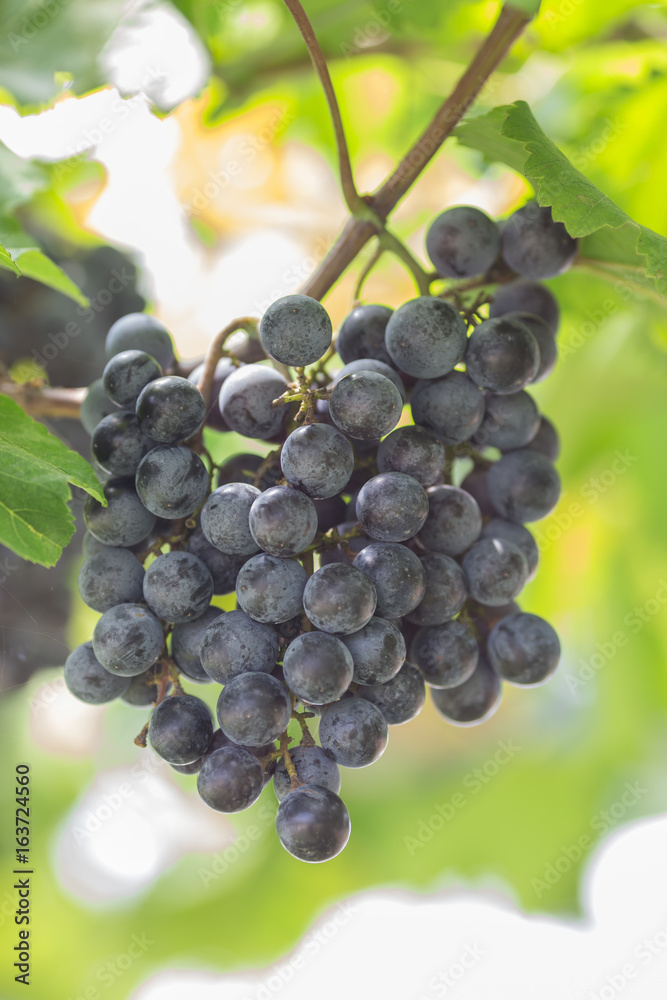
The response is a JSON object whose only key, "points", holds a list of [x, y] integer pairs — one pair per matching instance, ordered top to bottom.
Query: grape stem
{"points": [[353, 200], [362, 226], [391, 243], [216, 351], [306, 736], [285, 740]]}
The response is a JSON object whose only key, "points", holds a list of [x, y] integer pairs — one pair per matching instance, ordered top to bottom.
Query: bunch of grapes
{"points": [[363, 574]]}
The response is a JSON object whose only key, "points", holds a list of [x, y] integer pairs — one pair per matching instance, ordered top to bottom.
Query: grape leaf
{"points": [[611, 242], [30, 262], [35, 469]]}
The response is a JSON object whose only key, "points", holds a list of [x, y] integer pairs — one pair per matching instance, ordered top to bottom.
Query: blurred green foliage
{"points": [[601, 722]]}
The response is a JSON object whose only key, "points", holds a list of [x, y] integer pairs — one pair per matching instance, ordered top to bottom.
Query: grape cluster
{"points": [[372, 557]]}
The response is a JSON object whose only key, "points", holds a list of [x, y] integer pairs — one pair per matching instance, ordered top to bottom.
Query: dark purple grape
{"points": [[462, 242], [534, 245], [526, 296], [296, 330], [137, 331], [362, 334], [426, 337], [546, 342], [502, 355], [366, 365], [223, 369], [126, 374], [246, 401], [365, 405], [96, 406], [451, 407], [170, 409], [509, 422], [546, 440], [118, 443], [415, 451], [318, 459], [172, 481], [523, 486], [392, 507], [224, 519], [124, 521], [283, 521], [454, 521], [510, 531], [223, 568], [495, 571], [397, 575], [112, 576], [178, 587], [270, 588], [445, 592], [339, 599], [186, 638], [128, 639], [234, 644], [524, 649], [377, 650], [445, 654], [318, 668], [88, 680], [399, 699], [472, 702], [254, 709], [180, 729], [354, 732], [313, 767], [230, 779], [313, 824]]}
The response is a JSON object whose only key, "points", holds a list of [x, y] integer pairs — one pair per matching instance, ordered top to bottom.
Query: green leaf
{"points": [[611, 242], [30, 262], [35, 469]]}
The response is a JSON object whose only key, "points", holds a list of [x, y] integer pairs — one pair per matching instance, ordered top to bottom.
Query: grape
{"points": [[462, 242], [534, 245], [526, 297], [296, 330], [137, 331], [362, 334], [426, 337], [546, 342], [502, 355], [370, 365], [223, 369], [126, 374], [245, 402], [365, 405], [96, 406], [451, 407], [171, 409], [509, 421], [546, 440], [118, 443], [415, 451], [318, 459], [243, 468], [172, 481], [476, 484], [523, 486], [392, 507], [329, 512], [224, 519], [283, 521], [454, 521], [124, 522], [510, 531], [355, 544], [90, 545], [223, 568], [495, 571], [397, 575], [112, 576], [178, 587], [270, 588], [445, 592], [339, 599], [483, 617], [186, 638], [128, 639], [234, 643], [524, 649], [378, 652], [445, 654], [318, 668], [87, 679], [142, 690], [399, 699], [472, 702], [254, 709], [180, 729], [353, 731], [262, 754], [313, 767], [230, 779], [313, 824]]}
